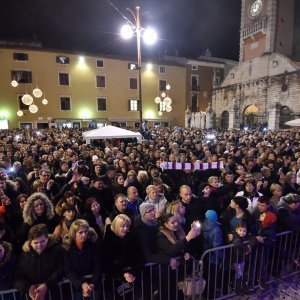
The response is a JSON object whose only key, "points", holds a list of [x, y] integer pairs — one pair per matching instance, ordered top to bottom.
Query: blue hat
{"points": [[211, 215]]}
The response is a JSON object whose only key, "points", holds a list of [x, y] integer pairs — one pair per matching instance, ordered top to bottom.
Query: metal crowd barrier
{"points": [[211, 277]]}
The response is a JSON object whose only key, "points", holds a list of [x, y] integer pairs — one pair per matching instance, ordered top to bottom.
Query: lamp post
{"points": [[149, 36]]}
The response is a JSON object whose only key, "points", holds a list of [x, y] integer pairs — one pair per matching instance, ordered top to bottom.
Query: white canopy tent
{"points": [[295, 123], [110, 132]]}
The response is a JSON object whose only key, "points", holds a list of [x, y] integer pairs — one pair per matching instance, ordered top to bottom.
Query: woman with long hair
{"points": [[95, 216], [83, 257]]}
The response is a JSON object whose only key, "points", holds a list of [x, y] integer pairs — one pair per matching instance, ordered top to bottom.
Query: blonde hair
{"points": [[140, 173], [211, 178], [274, 187], [150, 188], [173, 207], [118, 221], [75, 227]]}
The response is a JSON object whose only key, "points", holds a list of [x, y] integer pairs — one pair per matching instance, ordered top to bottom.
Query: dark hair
{"points": [[68, 194], [119, 195], [264, 199], [241, 201], [88, 203], [164, 219], [241, 224], [37, 231]]}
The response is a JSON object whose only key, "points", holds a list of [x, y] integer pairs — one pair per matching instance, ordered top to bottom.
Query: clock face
{"points": [[256, 8]]}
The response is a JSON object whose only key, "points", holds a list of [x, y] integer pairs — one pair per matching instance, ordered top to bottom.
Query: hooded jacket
{"points": [[30, 218], [34, 268]]}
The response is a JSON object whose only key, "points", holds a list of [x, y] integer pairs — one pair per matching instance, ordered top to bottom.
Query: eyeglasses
{"points": [[150, 210]]}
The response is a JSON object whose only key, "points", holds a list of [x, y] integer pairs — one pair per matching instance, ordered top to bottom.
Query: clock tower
{"points": [[266, 27]]}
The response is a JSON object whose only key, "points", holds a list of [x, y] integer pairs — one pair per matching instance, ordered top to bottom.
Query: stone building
{"points": [[264, 88]]}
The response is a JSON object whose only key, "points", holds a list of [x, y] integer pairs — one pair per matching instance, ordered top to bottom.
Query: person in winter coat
{"points": [[250, 192], [155, 198], [38, 210], [289, 213], [94, 216], [68, 217], [264, 228], [211, 232], [212, 237], [120, 251], [241, 256], [83, 257], [7, 264], [40, 266]]}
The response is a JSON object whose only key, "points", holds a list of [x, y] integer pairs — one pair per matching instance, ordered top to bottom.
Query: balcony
{"points": [[257, 27]]}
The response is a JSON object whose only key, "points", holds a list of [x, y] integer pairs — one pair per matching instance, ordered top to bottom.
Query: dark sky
{"points": [[189, 26]]}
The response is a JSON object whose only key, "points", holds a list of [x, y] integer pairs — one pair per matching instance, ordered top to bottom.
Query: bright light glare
{"points": [[126, 32], [150, 36], [81, 59], [149, 66], [246, 128], [210, 136]]}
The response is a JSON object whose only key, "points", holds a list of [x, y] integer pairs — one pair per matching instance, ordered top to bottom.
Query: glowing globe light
{"points": [[126, 32], [150, 36], [14, 83], [168, 87], [37, 93], [163, 94], [27, 99], [157, 100], [45, 101], [168, 101], [33, 108], [168, 108], [20, 113], [160, 113]]}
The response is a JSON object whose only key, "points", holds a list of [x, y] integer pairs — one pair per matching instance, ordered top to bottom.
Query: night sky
{"points": [[188, 26]]}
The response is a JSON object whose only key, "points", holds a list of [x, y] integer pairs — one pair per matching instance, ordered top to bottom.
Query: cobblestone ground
{"points": [[285, 289]]}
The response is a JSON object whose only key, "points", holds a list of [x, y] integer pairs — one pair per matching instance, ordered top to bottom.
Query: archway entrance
{"points": [[285, 115], [250, 116], [225, 119]]}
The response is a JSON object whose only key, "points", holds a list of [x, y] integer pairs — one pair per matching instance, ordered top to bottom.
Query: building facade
{"points": [[264, 88], [85, 90]]}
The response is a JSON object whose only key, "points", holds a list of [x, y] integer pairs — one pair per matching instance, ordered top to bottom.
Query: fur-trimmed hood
{"points": [[29, 216], [92, 237], [52, 241], [8, 253]]}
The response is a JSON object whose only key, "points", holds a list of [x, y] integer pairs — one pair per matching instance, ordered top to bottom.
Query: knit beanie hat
{"points": [[144, 207], [211, 215]]}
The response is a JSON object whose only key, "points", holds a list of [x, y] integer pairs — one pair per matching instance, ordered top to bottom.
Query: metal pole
{"points": [[138, 38]]}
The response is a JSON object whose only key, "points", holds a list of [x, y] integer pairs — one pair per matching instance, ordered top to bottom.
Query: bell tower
{"points": [[266, 27]]}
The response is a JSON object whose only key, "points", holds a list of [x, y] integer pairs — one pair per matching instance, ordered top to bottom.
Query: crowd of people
{"points": [[71, 209]]}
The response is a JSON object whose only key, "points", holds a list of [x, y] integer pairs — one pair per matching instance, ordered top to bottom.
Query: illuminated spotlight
{"points": [[81, 59], [149, 66], [246, 128], [265, 129], [38, 133]]}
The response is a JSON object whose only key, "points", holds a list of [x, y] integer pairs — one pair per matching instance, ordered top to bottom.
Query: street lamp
{"points": [[149, 36]]}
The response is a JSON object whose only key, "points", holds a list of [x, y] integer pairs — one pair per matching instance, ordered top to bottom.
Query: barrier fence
{"points": [[219, 274]]}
